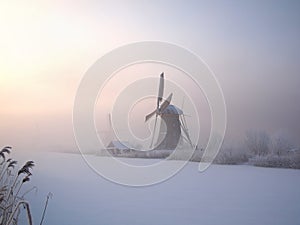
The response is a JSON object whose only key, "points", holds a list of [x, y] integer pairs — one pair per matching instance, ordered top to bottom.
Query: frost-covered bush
{"points": [[258, 142], [280, 145], [181, 154], [232, 155], [231, 158], [287, 161]]}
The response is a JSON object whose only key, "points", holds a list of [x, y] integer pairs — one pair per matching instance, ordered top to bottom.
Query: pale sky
{"points": [[253, 47]]}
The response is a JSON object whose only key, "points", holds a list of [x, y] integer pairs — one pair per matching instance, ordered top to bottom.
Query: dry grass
{"points": [[11, 183]]}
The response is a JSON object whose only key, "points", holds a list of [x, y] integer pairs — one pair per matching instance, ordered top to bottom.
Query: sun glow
{"points": [[38, 47]]}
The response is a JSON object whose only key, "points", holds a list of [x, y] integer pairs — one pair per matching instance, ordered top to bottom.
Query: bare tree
{"points": [[257, 142], [280, 144]]}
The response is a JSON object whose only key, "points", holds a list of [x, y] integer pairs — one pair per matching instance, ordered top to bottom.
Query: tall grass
{"points": [[11, 183]]}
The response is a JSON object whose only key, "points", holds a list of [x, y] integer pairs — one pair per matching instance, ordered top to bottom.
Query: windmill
{"points": [[173, 124]]}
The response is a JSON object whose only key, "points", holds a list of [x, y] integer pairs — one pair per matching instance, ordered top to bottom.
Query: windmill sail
{"points": [[160, 89], [166, 103], [163, 106], [150, 115]]}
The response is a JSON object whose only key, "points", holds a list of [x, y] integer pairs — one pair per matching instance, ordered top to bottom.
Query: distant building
{"points": [[118, 147]]}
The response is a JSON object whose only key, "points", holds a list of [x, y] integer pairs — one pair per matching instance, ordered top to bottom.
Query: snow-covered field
{"points": [[221, 195]]}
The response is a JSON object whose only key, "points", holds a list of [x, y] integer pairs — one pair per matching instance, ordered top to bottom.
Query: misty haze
{"points": [[149, 142]]}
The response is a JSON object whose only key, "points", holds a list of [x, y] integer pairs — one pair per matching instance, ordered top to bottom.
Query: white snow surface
{"points": [[222, 194]]}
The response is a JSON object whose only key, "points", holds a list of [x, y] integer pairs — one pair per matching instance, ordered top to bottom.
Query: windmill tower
{"points": [[173, 125]]}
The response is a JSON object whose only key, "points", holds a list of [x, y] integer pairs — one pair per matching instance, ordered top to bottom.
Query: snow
{"points": [[221, 195]]}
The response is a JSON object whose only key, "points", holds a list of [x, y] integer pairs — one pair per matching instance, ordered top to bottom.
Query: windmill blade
{"points": [[160, 90], [159, 99], [166, 103], [163, 106], [150, 115]]}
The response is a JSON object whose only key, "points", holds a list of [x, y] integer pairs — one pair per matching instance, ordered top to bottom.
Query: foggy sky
{"points": [[252, 47]]}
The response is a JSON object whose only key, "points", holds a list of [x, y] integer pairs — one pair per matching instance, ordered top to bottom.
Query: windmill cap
{"points": [[172, 109]]}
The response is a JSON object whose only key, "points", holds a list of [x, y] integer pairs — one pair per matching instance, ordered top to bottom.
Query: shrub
{"points": [[258, 142], [288, 161]]}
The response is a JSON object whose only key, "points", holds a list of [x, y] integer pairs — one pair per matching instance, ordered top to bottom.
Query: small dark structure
{"points": [[118, 147]]}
